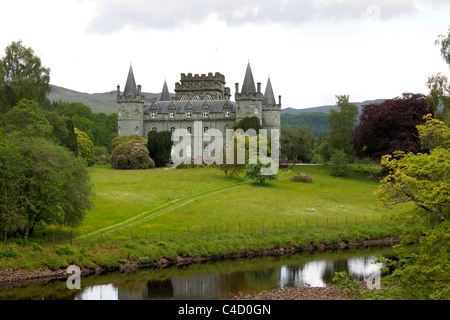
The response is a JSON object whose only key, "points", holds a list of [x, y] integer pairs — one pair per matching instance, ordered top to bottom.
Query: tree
{"points": [[444, 42], [24, 77], [28, 119], [248, 123], [341, 123], [390, 126], [296, 145], [85, 146], [160, 147], [132, 156], [338, 164], [254, 172], [422, 179], [52, 185]]}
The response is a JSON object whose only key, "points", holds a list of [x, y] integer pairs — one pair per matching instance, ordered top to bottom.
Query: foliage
{"points": [[444, 42], [23, 77], [439, 96], [27, 118], [248, 123], [341, 123], [390, 126], [100, 128], [434, 133], [133, 138], [85, 145], [296, 145], [160, 147], [132, 156], [338, 164], [254, 172], [302, 177], [422, 179], [51, 185], [64, 250], [9, 251], [351, 287]]}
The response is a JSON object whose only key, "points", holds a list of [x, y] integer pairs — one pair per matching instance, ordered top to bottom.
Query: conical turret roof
{"points": [[249, 83], [130, 87], [165, 95], [269, 97]]}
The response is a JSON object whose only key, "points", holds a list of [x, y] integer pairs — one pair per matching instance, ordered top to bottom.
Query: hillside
{"points": [[99, 102], [326, 109]]}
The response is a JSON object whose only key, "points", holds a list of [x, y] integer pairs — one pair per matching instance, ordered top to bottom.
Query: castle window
{"points": [[208, 97], [184, 98], [196, 98], [120, 114], [188, 114], [205, 114], [227, 114], [153, 115], [172, 115], [153, 128], [172, 129], [136, 130], [189, 130], [206, 130]]}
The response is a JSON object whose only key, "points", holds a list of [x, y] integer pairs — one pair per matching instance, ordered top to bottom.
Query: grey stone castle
{"points": [[197, 98]]}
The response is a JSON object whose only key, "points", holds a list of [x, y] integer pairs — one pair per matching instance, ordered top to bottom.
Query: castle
{"points": [[197, 98]]}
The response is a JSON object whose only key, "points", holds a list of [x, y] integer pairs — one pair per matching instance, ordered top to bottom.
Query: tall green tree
{"points": [[23, 76], [341, 123], [296, 144], [160, 147]]}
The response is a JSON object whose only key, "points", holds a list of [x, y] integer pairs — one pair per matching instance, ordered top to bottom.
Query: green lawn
{"points": [[157, 202]]}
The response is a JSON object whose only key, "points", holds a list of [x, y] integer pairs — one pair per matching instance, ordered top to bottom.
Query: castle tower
{"points": [[201, 87], [250, 100], [131, 107], [271, 111]]}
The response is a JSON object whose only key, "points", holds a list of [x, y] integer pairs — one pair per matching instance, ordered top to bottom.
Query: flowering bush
{"points": [[132, 156]]}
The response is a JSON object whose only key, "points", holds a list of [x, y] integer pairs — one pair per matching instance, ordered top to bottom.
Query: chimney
{"points": [[139, 87], [237, 87], [259, 87], [118, 90], [279, 99]]}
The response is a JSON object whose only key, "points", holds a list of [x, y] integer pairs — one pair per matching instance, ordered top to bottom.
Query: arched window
{"points": [[184, 98], [196, 98], [153, 128], [172, 129], [136, 130], [189, 130], [206, 130]]}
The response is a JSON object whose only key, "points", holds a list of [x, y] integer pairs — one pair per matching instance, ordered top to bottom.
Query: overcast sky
{"points": [[312, 50]]}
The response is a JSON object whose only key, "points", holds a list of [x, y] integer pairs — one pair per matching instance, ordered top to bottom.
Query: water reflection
{"points": [[222, 284]]}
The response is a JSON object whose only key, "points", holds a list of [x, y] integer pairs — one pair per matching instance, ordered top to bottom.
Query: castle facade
{"points": [[197, 98]]}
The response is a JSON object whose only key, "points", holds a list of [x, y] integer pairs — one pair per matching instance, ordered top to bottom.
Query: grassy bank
{"points": [[144, 253]]}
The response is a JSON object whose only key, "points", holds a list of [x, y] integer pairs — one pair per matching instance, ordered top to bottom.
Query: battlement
{"points": [[210, 77], [130, 99]]}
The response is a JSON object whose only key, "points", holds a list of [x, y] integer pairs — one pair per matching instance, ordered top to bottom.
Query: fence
{"points": [[186, 231]]}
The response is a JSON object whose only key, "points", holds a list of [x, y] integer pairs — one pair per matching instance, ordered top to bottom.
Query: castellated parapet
{"points": [[192, 87]]}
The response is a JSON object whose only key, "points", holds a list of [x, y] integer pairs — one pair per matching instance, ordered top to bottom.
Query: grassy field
{"points": [[162, 203]]}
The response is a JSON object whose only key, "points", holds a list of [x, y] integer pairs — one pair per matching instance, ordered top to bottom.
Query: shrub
{"points": [[132, 156], [338, 164], [302, 177], [64, 250], [9, 251]]}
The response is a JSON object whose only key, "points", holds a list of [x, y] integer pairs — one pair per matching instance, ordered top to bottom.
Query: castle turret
{"points": [[165, 95], [249, 101], [131, 108], [271, 110]]}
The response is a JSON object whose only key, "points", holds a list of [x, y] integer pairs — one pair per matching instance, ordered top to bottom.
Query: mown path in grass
{"points": [[152, 213]]}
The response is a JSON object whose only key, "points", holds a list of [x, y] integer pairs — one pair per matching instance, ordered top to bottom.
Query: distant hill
{"points": [[98, 102], [326, 109]]}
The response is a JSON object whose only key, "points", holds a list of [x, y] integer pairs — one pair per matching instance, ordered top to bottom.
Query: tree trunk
{"points": [[27, 228], [6, 233]]}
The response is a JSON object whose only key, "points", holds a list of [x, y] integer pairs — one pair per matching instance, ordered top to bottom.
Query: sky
{"points": [[311, 50]]}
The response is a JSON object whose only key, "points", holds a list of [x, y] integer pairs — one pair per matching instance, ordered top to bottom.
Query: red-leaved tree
{"points": [[390, 126]]}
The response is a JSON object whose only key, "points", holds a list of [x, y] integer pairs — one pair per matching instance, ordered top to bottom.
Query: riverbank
{"points": [[129, 259]]}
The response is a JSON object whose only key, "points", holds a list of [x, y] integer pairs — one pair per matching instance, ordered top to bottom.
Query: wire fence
{"points": [[186, 231]]}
